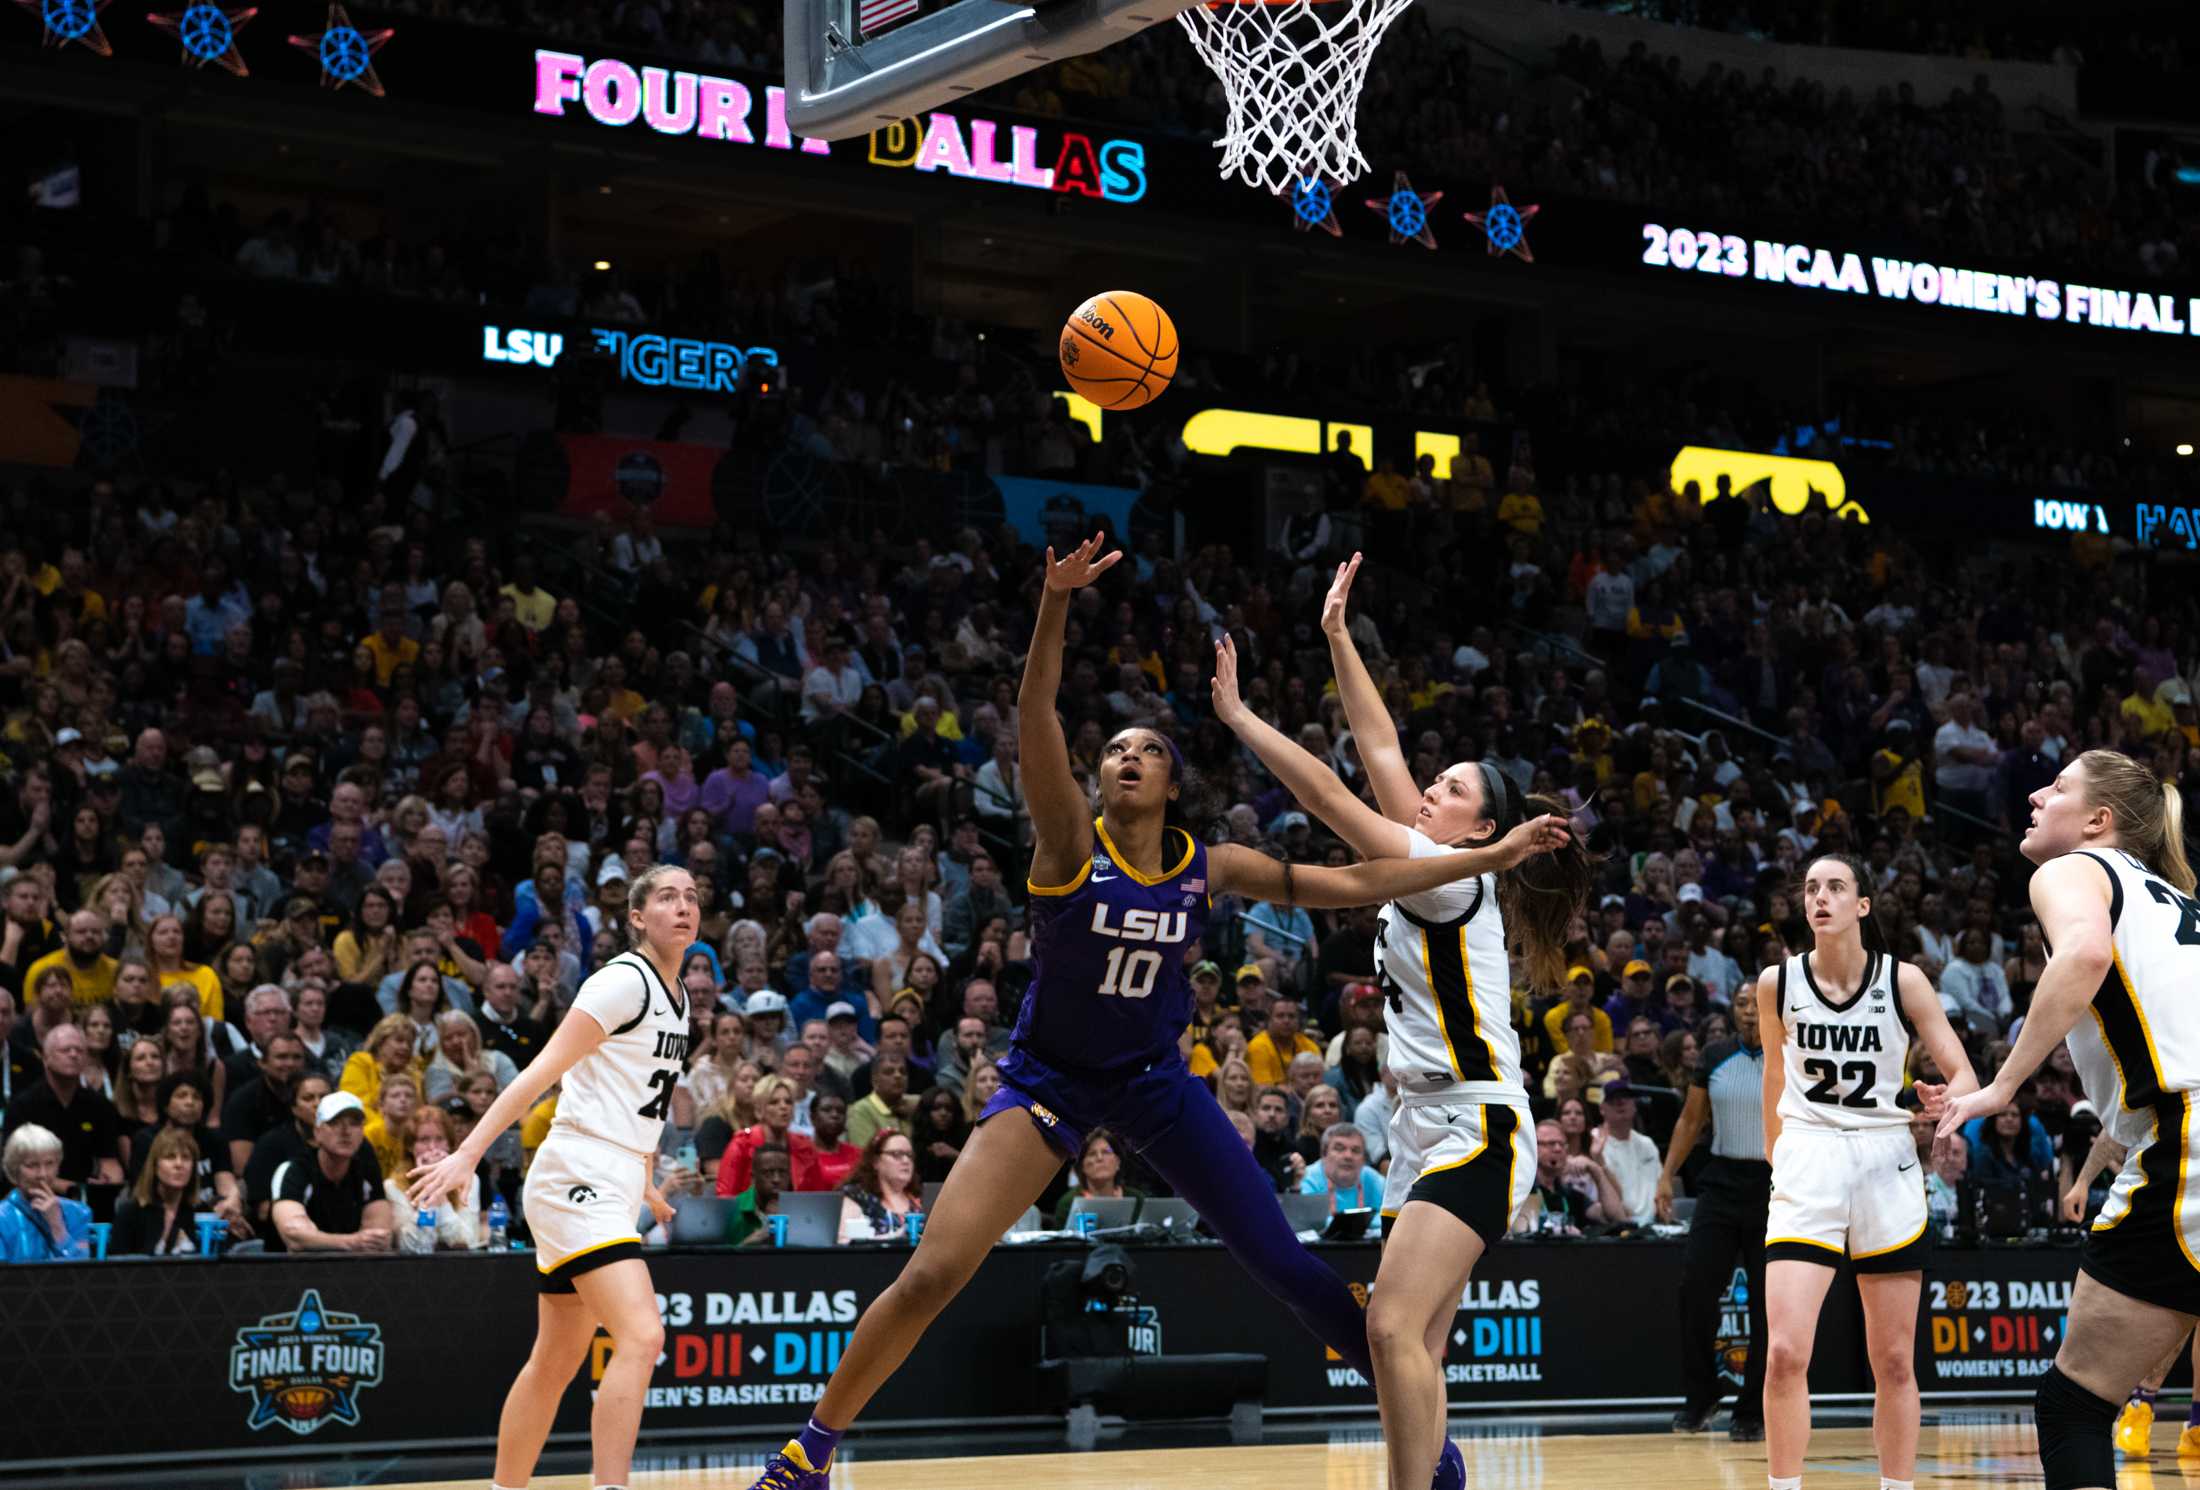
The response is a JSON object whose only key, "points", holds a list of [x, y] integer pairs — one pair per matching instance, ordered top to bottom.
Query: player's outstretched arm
{"points": [[1364, 710], [1305, 776], [1060, 815], [1236, 869], [2070, 895], [576, 1035], [1939, 1038]]}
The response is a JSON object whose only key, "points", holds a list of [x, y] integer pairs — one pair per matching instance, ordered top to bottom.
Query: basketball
{"points": [[1119, 349]]}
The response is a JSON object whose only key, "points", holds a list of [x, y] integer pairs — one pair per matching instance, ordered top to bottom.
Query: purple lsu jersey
{"points": [[1109, 988]]}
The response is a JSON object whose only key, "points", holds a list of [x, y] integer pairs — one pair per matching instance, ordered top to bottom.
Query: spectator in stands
{"points": [[1964, 759], [980, 901], [83, 956], [890, 967], [1973, 988], [1634, 997], [266, 1014], [505, 1026], [389, 1051], [960, 1051], [1271, 1052], [458, 1054], [798, 1068], [1358, 1070], [1580, 1070], [983, 1084], [774, 1100], [261, 1101], [395, 1104], [889, 1105], [1318, 1111], [85, 1122], [940, 1131], [293, 1139], [428, 1139], [1275, 1145], [1630, 1156], [833, 1158], [1096, 1174], [771, 1175], [1344, 1175], [883, 1192], [1572, 1192], [333, 1201], [158, 1215], [38, 1222]]}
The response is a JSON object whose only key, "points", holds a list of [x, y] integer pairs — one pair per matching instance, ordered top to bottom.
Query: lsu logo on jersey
{"points": [[1139, 924]]}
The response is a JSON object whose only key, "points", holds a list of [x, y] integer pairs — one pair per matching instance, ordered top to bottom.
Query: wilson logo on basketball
{"points": [[1097, 322], [580, 1195]]}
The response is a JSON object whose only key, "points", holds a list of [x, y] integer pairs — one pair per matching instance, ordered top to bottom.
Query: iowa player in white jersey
{"points": [[2114, 897], [1837, 1024], [620, 1050], [1462, 1145]]}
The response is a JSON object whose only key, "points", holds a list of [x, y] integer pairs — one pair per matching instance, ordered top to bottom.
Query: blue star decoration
{"points": [[72, 20], [208, 33], [346, 53], [1313, 205], [1406, 210], [1504, 226], [309, 1368]]}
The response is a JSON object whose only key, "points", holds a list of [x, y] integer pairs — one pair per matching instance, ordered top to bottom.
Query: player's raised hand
{"points": [[1079, 568], [1340, 590], [1229, 707], [1538, 835], [1930, 1096], [1956, 1111], [433, 1184]]}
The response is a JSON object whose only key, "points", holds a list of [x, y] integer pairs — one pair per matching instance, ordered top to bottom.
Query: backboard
{"points": [[842, 83]]}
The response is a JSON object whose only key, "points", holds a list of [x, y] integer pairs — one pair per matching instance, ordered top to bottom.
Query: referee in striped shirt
{"points": [[1732, 1195]]}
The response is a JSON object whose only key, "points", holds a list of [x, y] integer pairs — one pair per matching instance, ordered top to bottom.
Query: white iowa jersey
{"points": [[1441, 963], [1847, 1051], [2138, 1056], [621, 1092]]}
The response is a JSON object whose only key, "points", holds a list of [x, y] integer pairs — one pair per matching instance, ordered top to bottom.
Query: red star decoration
{"points": [[340, 22], [91, 37], [231, 59], [1407, 212], [1504, 226]]}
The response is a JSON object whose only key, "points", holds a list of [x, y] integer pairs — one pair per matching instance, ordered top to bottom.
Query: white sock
{"points": [[1783, 1482], [1890, 1484], [493, 1485]]}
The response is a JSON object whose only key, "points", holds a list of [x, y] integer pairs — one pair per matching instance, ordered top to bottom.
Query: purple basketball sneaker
{"points": [[789, 1469], [1451, 1469]]}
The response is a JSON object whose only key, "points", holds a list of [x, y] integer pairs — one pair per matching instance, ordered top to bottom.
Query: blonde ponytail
{"points": [[2174, 866]]}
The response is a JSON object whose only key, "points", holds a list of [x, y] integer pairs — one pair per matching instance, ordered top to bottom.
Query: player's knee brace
{"points": [[2076, 1433]]}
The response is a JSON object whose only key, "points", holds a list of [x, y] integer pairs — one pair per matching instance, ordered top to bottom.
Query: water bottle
{"points": [[500, 1221], [422, 1236]]}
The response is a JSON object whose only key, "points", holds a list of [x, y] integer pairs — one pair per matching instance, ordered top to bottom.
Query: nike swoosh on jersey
{"points": [[1905, 1168]]}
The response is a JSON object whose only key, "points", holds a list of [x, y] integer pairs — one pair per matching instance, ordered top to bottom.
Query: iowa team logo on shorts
{"points": [[1044, 1116], [580, 1195], [305, 1369]]}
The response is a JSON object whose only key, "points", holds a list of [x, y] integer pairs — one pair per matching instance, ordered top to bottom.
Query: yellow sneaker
{"points": [[2135, 1430], [2188, 1443]]}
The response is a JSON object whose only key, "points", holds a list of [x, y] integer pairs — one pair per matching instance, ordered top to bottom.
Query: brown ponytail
{"points": [[2148, 814], [1540, 897]]}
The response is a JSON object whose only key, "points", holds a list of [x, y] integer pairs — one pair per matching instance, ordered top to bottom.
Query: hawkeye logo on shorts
{"points": [[580, 1195], [305, 1369]]}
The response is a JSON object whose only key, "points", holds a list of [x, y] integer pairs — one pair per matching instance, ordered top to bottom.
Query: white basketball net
{"points": [[1292, 74]]}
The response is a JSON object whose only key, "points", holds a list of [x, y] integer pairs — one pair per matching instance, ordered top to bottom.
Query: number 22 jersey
{"points": [[1109, 991], [1847, 1053], [621, 1092]]}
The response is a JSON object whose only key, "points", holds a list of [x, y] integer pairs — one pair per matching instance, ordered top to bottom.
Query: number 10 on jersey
{"points": [[1130, 974]]}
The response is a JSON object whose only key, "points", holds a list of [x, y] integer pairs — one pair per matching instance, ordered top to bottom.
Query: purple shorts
{"points": [[1138, 1105]]}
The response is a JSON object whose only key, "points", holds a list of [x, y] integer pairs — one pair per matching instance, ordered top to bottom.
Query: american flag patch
{"points": [[874, 14], [1197, 885]]}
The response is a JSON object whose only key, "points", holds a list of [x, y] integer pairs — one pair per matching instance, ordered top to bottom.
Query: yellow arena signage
{"points": [[1790, 481]]}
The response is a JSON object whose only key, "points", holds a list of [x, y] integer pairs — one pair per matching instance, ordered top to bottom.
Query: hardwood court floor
{"points": [[1985, 1454]]}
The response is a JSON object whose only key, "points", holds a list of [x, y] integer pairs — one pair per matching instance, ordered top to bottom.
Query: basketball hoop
{"points": [[1291, 71]]}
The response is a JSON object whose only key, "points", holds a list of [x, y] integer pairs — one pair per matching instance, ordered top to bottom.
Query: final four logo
{"points": [[305, 1369]]}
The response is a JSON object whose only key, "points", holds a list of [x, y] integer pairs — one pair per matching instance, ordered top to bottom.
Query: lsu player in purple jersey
{"points": [[1116, 902]]}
